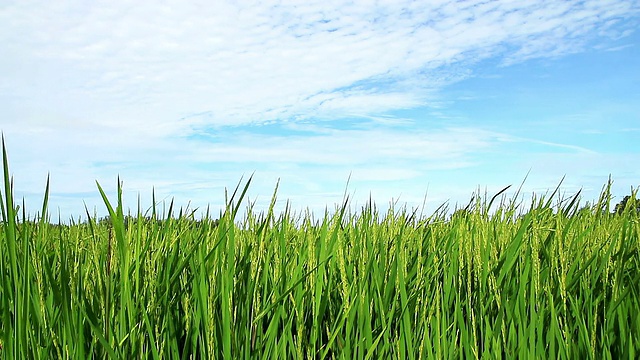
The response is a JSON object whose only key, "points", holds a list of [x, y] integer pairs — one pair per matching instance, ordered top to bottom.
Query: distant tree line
{"points": [[627, 201]]}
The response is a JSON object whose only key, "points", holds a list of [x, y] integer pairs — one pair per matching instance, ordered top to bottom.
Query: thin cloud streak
{"points": [[309, 165]]}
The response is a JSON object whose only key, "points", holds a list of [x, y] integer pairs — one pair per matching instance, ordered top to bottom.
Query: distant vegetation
{"points": [[628, 203], [493, 280]]}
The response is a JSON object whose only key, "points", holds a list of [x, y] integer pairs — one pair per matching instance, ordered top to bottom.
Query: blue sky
{"points": [[403, 98]]}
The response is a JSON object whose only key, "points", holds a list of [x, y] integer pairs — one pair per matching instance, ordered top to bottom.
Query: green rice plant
{"points": [[491, 280]]}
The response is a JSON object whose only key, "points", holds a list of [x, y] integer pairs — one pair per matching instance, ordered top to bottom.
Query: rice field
{"points": [[555, 279]]}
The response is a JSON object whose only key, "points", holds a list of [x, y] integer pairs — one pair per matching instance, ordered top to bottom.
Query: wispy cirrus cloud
{"points": [[252, 62]]}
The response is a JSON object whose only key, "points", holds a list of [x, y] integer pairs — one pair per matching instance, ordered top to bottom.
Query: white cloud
{"points": [[253, 62]]}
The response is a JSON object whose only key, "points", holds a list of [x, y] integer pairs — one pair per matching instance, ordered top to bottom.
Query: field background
{"points": [[493, 280]]}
